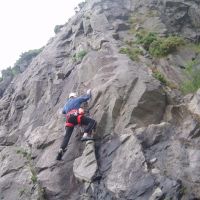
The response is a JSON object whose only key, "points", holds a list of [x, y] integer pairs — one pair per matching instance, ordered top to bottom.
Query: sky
{"points": [[29, 24]]}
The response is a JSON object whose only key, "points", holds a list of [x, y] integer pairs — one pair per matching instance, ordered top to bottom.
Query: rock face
{"points": [[147, 138], [85, 167]]}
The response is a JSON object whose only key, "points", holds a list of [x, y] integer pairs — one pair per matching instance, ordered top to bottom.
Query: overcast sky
{"points": [[29, 24]]}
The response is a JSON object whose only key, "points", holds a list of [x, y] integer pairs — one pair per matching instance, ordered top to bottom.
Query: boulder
{"points": [[99, 22], [194, 105], [85, 167]]}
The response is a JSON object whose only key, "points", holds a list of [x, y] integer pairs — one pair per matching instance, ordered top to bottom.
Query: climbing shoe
{"points": [[86, 138], [60, 154]]}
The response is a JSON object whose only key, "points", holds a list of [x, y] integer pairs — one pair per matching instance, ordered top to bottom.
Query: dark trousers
{"points": [[90, 125]]}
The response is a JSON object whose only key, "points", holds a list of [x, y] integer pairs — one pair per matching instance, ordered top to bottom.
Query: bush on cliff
{"points": [[159, 46], [164, 46], [132, 52], [27, 56], [79, 56], [193, 73]]}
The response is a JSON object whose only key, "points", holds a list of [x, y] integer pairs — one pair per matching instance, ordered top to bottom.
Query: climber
{"points": [[74, 116]]}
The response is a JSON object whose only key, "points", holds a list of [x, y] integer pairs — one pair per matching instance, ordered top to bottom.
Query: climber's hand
{"points": [[88, 92]]}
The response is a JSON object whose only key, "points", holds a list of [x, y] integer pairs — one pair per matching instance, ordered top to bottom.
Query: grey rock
{"points": [[194, 15], [177, 16], [99, 22], [154, 24], [119, 25], [87, 26], [66, 34], [115, 36], [4, 84], [193, 105], [154, 134], [153, 160], [12, 161], [85, 167], [155, 171], [122, 177], [21, 187], [157, 194]]}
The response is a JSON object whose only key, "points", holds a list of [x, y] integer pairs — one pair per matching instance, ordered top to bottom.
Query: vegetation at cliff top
{"points": [[25, 57]]}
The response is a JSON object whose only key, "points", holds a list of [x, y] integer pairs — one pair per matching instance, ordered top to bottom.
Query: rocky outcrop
{"points": [[147, 139], [85, 167]]}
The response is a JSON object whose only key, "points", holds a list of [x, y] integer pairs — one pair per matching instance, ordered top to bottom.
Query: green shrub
{"points": [[152, 13], [146, 39], [157, 46], [164, 46], [194, 47], [197, 48], [131, 52], [28, 56], [79, 56], [25, 59], [190, 65], [15, 71], [7, 72], [158, 75], [193, 84], [24, 153], [27, 155], [34, 178]]}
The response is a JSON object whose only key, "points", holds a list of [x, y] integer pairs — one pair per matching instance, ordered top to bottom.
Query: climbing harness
{"points": [[77, 113]]}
